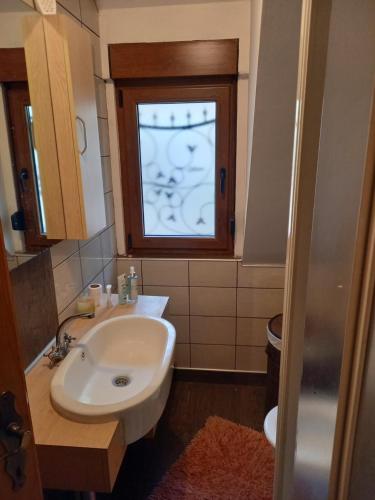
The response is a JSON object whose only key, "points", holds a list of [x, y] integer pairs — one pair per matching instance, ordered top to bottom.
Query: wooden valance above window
{"points": [[174, 59], [13, 65]]}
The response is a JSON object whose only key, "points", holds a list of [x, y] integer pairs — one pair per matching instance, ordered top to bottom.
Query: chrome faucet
{"points": [[61, 349]]}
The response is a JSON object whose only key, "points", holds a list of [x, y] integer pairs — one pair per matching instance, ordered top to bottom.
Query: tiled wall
{"points": [[78, 263], [220, 308]]}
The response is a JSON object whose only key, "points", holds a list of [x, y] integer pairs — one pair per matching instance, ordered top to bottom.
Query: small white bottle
{"points": [[132, 281], [109, 295]]}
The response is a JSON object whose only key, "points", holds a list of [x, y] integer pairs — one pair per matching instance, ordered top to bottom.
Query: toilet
{"points": [[274, 336], [270, 426]]}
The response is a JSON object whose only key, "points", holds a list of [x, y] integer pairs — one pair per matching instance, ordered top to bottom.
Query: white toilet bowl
{"points": [[270, 426]]}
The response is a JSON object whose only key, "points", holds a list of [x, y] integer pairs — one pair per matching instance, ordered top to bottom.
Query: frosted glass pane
{"points": [[177, 156], [35, 163]]}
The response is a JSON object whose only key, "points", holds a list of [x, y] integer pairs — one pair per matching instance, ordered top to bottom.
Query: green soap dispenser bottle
{"points": [[132, 282], [122, 288]]}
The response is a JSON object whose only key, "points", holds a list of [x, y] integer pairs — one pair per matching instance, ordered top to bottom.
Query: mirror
{"points": [[21, 198]]}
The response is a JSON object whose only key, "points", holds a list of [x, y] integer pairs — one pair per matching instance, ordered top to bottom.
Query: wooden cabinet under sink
{"points": [[62, 93]]}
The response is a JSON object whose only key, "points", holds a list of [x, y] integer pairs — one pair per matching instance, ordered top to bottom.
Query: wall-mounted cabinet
{"points": [[62, 93]]}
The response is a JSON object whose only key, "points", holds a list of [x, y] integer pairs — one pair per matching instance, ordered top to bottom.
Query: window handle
{"points": [[84, 134], [23, 177], [223, 177]]}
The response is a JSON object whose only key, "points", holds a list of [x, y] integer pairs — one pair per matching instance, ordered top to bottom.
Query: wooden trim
{"points": [[174, 59], [13, 65], [224, 92], [17, 96], [12, 379], [82, 469]]}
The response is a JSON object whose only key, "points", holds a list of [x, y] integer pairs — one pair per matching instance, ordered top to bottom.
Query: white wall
{"points": [[188, 21], [11, 34], [272, 119]]}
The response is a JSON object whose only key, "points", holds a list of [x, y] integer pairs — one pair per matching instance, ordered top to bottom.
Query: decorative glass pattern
{"points": [[177, 156]]}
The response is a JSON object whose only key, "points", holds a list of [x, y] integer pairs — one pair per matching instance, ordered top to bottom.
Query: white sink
{"points": [[120, 369]]}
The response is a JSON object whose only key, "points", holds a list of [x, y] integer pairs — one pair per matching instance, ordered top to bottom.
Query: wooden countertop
{"points": [[52, 431]]}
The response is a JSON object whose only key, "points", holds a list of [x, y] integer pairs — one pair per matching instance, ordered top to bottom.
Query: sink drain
{"points": [[121, 381]]}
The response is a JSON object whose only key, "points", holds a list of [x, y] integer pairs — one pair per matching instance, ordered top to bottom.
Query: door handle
{"points": [[83, 150], [14, 439]]}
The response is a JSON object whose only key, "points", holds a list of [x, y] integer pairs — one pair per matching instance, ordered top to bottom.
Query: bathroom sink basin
{"points": [[120, 369]]}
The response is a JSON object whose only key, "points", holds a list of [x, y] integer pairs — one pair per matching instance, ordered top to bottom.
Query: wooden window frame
{"points": [[222, 90]]}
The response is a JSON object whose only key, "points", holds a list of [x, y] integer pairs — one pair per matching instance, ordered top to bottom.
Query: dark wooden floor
{"points": [[190, 403]]}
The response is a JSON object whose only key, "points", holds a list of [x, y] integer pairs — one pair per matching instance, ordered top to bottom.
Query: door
{"points": [[12, 380]]}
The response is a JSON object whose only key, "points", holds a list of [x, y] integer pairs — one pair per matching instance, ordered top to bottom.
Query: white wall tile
{"points": [[71, 6], [90, 15], [96, 52], [101, 98], [104, 136], [107, 173], [109, 208], [108, 242], [62, 251], [91, 260], [165, 272], [213, 273], [110, 275], [261, 276], [68, 281], [178, 297], [205, 301], [259, 303], [68, 311], [181, 324], [212, 330], [252, 331], [182, 355], [212, 356], [253, 359]]}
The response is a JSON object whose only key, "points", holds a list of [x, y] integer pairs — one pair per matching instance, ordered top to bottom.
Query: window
{"points": [[176, 110], [177, 145], [26, 171]]}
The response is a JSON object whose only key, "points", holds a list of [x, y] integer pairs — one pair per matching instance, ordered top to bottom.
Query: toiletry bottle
{"points": [[132, 286], [122, 287], [108, 289]]}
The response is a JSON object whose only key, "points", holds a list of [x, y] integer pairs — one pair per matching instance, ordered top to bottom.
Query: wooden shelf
{"points": [[79, 456]]}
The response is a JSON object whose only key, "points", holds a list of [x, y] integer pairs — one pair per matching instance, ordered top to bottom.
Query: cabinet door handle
{"points": [[84, 134]]}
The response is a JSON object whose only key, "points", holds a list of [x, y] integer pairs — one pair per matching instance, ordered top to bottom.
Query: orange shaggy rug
{"points": [[224, 461]]}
